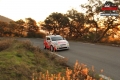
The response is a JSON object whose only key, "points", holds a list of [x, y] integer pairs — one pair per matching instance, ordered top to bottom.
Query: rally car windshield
{"points": [[56, 38]]}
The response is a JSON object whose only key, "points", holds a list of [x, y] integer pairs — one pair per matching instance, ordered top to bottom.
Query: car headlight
{"points": [[55, 43], [67, 43]]}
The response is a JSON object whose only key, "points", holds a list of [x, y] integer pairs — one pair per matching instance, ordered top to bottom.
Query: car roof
{"points": [[53, 36]]}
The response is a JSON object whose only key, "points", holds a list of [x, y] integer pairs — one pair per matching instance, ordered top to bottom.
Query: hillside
{"points": [[5, 19], [19, 59]]}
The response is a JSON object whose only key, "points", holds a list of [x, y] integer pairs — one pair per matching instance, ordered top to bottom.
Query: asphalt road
{"points": [[99, 56]]}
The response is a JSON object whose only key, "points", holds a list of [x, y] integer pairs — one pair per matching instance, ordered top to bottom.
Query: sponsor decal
{"points": [[109, 9], [61, 42]]}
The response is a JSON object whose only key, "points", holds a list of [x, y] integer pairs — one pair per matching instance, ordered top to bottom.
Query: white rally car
{"points": [[55, 42]]}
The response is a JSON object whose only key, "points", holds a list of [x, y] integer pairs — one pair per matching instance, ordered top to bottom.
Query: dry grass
{"points": [[80, 72]]}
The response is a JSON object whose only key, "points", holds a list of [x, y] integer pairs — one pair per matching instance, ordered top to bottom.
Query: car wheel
{"points": [[44, 47], [51, 48]]}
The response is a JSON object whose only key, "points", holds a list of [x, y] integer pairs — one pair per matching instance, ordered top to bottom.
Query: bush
{"points": [[36, 34], [40, 35], [4, 44], [27, 44]]}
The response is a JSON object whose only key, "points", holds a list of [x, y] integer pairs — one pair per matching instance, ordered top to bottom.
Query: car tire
{"points": [[51, 48]]}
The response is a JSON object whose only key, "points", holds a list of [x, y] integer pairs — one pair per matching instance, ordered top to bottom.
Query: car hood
{"points": [[62, 42]]}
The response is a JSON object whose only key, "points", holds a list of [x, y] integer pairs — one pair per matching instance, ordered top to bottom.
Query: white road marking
{"points": [[57, 54], [105, 77]]}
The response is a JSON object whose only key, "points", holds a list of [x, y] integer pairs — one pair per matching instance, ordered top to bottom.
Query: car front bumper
{"points": [[62, 47]]}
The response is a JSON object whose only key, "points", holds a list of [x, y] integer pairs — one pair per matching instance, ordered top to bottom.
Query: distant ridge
{"points": [[5, 19]]}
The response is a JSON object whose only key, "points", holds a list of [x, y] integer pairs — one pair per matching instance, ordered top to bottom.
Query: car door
{"points": [[48, 42]]}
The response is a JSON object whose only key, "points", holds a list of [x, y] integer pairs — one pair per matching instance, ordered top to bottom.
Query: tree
{"points": [[93, 9], [55, 21], [64, 23], [76, 23], [48, 24], [109, 24], [21, 27], [32, 27], [3, 28], [13, 29]]}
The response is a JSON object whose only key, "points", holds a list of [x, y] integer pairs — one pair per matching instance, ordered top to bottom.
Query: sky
{"points": [[36, 9]]}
